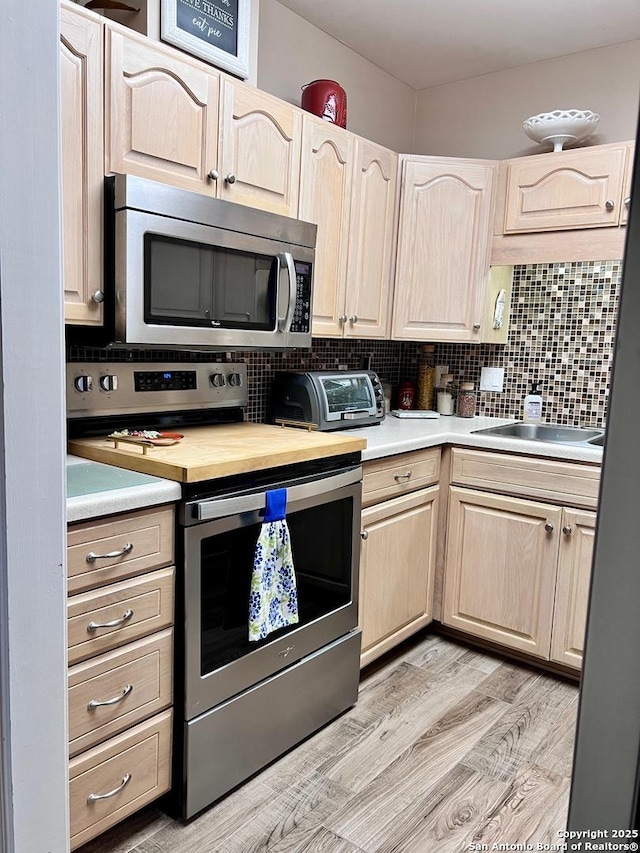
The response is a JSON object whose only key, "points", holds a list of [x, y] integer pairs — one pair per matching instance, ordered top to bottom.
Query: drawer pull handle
{"points": [[400, 477], [126, 549], [115, 623], [95, 703], [92, 798]]}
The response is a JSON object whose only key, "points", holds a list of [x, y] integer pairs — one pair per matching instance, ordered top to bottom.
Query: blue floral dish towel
{"points": [[273, 602]]}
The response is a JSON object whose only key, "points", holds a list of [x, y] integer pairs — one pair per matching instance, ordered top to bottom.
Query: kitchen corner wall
{"points": [[561, 333]]}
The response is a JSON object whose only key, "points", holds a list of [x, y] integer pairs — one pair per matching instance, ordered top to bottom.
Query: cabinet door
{"points": [[162, 113], [259, 149], [82, 165], [627, 183], [572, 189], [325, 197], [371, 232], [443, 249], [396, 569], [500, 569], [572, 588]]}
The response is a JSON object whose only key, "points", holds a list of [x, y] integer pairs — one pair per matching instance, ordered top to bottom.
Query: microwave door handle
{"points": [[285, 260]]}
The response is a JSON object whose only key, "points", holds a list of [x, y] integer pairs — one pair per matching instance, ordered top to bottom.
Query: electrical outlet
{"points": [[441, 370], [492, 379]]}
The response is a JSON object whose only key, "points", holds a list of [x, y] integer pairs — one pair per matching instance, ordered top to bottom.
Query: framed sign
{"points": [[214, 30]]}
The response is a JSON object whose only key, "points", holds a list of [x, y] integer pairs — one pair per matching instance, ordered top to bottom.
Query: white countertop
{"points": [[396, 435], [94, 489]]}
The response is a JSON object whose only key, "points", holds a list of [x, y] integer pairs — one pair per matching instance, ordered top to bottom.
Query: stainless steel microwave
{"points": [[197, 272]]}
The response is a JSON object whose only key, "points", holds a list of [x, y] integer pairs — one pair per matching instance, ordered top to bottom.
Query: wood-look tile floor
{"points": [[446, 748]]}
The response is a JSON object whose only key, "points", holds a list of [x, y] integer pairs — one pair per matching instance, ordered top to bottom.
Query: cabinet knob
{"points": [[213, 174], [231, 178], [627, 201], [609, 204], [98, 296], [353, 318], [342, 319], [476, 327], [548, 527], [567, 530], [364, 534]]}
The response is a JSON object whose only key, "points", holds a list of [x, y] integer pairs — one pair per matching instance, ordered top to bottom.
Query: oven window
{"points": [[203, 285], [345, 393], [321, 541]]}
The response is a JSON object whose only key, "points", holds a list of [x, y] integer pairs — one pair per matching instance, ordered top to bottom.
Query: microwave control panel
{"points": [[302, 311]]}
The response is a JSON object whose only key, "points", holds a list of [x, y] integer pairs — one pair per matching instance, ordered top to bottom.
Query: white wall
{"points": [[292, 52], [482, 117]]}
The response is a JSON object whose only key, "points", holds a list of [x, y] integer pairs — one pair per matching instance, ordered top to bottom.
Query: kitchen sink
{"points": [[555, 433], [598, 440]]}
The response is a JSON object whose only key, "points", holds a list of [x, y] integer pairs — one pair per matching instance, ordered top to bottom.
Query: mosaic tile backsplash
{"points": [[561, 333]]}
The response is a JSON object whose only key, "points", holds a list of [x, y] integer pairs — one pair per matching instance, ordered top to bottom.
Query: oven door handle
{"points": [[285, 261], [206, 510]]}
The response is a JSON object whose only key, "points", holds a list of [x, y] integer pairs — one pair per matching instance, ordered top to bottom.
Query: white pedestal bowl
{"points": [[561, 126]]}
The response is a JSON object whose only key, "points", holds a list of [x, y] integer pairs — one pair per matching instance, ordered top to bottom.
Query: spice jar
{"points": [[426, 378], [406, 395], [444, 395], [467, 399]]}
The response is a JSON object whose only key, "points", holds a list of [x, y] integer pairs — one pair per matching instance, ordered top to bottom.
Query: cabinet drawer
{"points": [[395, 475], [559, 482], [101, 552], [112, 616], [128, 685], [140, 758]]}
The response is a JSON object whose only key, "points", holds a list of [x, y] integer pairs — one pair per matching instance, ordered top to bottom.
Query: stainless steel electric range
{"points": [[238, 704]]}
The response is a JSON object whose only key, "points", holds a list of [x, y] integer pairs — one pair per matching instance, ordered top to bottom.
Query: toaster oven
{"points": [[327, 400]]}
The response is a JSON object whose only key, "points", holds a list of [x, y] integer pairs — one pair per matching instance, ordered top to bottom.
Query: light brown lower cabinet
{"points": [[397, 569], [517, 573], [572, 587], [120, 677], [113, 780]]}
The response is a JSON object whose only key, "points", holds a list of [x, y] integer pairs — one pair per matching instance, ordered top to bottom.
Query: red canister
{"points": [[327, 99], [406, 395]]}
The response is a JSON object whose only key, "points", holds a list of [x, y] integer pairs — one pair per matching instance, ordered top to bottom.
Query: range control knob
{"points": [[235, 379], [217, 380], [108, 382], [83, 383]]}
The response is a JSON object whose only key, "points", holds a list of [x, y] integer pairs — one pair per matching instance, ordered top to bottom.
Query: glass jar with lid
{"points": [[444, 395], [467, 400]]}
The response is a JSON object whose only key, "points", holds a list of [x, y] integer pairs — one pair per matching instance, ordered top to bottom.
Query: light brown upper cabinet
{"points": [[81, 54], [161, 113], [175, 120], [259, 149], [626, 185], [348, 188], [565, 190], [325, 198], [371, 242], [443, 249]]}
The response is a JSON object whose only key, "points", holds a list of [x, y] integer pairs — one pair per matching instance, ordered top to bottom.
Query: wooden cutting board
{"points": [[219, 451]]}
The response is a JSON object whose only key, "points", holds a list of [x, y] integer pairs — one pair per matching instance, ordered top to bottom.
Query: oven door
{"points": [[185, 284], [323, 516]]}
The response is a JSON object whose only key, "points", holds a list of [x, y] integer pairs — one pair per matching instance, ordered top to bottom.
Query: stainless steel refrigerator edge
{"points": [[604, 792]]}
